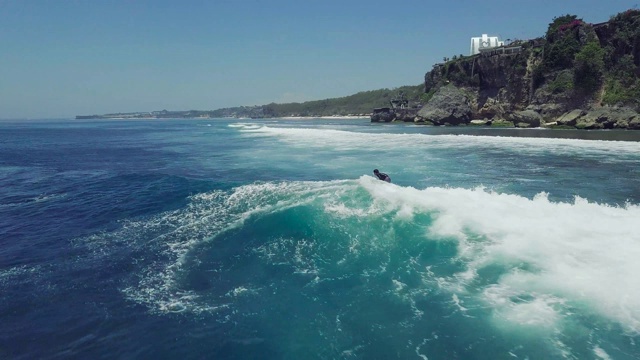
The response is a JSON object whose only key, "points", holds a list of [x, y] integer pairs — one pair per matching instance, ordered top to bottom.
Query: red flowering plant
{"points": [[570, 25]]}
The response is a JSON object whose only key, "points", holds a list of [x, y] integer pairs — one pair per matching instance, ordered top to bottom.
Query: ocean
{"points": [[271, 239]]}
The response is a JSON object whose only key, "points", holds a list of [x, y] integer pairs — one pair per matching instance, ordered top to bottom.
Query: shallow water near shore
{"points": [[271, 239]]}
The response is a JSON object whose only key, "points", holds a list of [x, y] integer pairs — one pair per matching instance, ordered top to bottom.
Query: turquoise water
{"points": [[271, 239]]}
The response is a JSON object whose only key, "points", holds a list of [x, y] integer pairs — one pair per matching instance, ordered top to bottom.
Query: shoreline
{"points": [[321, 117], [218, 118]]}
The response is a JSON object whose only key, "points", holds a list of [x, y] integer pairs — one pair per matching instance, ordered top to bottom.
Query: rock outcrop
{"points": [[579, 76], [449, 106], [383, 115], [606, 118], [525, 119]]}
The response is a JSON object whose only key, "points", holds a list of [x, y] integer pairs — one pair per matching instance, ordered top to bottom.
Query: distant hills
{"points": [[361, 103]]}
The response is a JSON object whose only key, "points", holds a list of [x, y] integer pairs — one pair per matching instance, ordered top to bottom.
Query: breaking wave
{"points": [[526, 266]]}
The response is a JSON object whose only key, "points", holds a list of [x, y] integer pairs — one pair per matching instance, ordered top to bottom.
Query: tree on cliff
{"points": [[563, 42], [622, 59], [588, 67]]}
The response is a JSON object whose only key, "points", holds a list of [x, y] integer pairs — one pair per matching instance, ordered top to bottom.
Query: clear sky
{"points": [[63, 58]]}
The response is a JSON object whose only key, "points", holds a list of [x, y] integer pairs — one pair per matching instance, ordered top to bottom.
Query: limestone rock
{"points": [[448, 106], [491, 108], [549, 112], [382, 115], [406, 115], [525, 118], [570, 118], [608, 118], [480, 122], [634, 122], [501, 123]]}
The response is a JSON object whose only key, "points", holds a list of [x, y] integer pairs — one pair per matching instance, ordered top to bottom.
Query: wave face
{"points": [[265, 240], [367, 268]]}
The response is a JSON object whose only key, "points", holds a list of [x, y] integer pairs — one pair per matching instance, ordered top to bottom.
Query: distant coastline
{"points": [[356, 105], [164, 114], [194, 114]]}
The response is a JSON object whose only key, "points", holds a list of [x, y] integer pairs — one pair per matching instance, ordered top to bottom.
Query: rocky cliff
{"points": [[579, 75]]}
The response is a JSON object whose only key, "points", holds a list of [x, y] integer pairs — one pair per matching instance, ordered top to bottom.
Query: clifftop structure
{"points": [[484, 42]]}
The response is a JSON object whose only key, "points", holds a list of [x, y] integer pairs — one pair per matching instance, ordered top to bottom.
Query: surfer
{"points": [[382, 176]]}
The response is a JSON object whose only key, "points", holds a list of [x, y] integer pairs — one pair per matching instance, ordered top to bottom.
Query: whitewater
{"points": [[272, 239]]}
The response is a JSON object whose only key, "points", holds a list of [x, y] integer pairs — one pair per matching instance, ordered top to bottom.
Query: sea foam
{"points": [[345, 140], [556, 257], [533, 263]]}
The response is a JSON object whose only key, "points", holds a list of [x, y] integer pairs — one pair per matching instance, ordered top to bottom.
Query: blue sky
{"points": [[63, 58]]}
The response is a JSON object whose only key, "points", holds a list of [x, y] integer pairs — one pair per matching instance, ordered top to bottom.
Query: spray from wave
{"points": [[578, 252], [527, 266]]}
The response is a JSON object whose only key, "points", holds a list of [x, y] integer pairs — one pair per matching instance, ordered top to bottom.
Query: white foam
{"points": [[245, 126], [343, 140], [47, 197], [173, 235], [580, 254], [555, 257], [18, 274], [241, 291], [458, 302], [539, 312], [423, 343], [600, 353]]}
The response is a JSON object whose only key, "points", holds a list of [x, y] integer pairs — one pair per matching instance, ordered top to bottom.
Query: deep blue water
{"points": [[270, 239]]}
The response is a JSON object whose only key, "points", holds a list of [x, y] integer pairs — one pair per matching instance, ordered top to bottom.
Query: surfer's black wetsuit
{"points": [[382, 176]]}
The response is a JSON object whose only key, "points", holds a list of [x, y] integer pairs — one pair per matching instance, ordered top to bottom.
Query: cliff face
{"points": [[594, 69]]}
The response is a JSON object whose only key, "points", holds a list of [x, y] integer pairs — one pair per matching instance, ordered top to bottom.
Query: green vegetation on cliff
{"points": [[563, 42], [572, 44], [622, 58], [575, 64], [360, 103]]}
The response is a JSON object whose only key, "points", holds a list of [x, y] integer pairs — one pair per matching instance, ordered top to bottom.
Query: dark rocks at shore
{"points": [[525, 85], [448, 106], [453, 106], [383, 115], [389, 115], [406, 115], [602, 118], [525, 119], [593, 119]]}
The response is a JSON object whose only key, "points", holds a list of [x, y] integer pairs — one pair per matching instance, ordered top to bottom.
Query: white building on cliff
{"points": [[484, 42]]}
